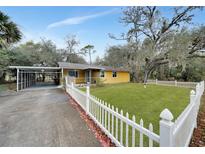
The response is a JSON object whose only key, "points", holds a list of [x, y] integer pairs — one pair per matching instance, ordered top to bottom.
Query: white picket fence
{"points": [[173, 83], [112, 121], [184, 125], [124, 131]]}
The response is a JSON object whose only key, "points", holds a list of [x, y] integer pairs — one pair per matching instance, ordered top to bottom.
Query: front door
{"points": [[87, 76]]}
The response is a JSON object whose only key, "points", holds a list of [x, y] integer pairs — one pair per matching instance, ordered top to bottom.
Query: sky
{"points": [[91, 25]]}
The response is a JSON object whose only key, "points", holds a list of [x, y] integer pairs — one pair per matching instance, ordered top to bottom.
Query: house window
{"points": [[73, 73], [102, 74], [114, 74]]}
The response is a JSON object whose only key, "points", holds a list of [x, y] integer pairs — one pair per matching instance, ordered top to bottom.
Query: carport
{"points": [[33, 77]]}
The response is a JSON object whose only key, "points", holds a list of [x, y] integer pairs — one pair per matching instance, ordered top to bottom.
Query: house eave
{"points": [[34, 68]]}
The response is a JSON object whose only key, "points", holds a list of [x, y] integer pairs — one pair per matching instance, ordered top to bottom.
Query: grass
{"points": [[7, 86], [2, 87], [146, 103]]}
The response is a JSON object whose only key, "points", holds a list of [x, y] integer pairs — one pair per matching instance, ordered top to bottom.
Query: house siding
{"points": [[96, 74], [81, 77], [122, 77]]}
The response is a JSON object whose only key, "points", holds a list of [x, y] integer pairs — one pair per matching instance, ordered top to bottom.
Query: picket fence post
{"points": [[66, 80], [156, 81], [175, 82], [66, 83], [192, 96], [87, 97], [192, 100], [166, 128]]}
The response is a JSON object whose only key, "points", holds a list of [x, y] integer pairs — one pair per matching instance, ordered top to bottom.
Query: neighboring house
{"points": [[83, 73]]}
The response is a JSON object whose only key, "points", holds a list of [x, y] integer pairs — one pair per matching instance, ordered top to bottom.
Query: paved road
{"points": [[42, 118]]}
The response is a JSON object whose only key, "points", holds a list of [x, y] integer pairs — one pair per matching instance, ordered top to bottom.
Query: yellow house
{"points": [[83, 73]]}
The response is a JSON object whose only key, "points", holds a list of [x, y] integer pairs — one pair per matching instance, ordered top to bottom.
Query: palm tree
{"points": [[9, 32]]}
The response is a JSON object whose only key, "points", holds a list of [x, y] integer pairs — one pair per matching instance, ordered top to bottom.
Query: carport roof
{"points": [[66, 65], [34, 68]]}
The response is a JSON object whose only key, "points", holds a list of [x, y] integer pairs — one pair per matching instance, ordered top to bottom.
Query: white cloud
{"points": [[79, 20], [35, 36]]}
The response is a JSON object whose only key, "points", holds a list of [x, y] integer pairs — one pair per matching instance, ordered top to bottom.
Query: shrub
{"points": [[100, 82]]}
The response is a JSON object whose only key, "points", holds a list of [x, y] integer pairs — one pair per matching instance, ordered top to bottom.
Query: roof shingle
{"points": [[87, 66]]}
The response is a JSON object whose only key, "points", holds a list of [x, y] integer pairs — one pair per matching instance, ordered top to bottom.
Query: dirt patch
{"points": [[198, 138]]}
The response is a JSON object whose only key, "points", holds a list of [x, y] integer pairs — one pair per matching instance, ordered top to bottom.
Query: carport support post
{"points": [[62, 76], [90, 76], [21, 79], [26, 79], [29, 79], [17, 80], [87, 97]]}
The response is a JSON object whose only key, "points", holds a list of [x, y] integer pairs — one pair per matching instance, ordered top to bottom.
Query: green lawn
{"points": [[7, 86], [2, 87], [146, 103]]}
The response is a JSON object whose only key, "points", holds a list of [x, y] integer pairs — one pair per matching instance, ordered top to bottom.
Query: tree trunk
{"points": [[90, 57], [146, 75], [2, 76], [133, 76]]}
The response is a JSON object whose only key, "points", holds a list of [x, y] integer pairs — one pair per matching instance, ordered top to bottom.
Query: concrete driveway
{"points": [[42, 118]]}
